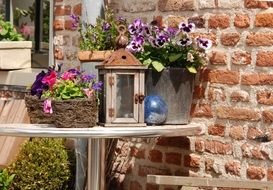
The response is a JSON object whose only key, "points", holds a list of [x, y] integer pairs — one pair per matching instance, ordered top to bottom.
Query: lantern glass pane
{"points": [[125, 96], [102, 97]]}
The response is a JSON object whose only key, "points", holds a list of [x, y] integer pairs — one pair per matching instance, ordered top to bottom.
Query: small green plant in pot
{"points": [[42, 164], [5, 179]]}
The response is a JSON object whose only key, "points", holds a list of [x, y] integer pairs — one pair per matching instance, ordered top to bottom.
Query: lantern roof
{"points": [[121, 59]]}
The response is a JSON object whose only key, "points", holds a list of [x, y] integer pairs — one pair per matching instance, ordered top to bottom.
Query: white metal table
{"points": [[96, 136]]}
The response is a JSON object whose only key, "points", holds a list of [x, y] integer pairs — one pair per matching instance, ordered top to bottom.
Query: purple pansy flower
{"points": [[106, 26], [136, 27], [187, 28], [146, 30], [172, 32], [161, 40], [184, 42], [204, 43], [135, 45], [97, 85]]}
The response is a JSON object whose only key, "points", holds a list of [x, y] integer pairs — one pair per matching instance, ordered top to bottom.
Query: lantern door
{"points": [[125, 88]]}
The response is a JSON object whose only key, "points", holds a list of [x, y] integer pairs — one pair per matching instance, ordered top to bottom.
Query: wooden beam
{"points": [[208, 182]]}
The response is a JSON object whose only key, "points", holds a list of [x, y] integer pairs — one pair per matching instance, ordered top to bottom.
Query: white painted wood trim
{"points": [[208, 182]]}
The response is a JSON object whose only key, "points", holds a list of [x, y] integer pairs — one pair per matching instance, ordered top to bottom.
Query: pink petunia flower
{"points": [[50, 79], [88, 92], [48, 107]]}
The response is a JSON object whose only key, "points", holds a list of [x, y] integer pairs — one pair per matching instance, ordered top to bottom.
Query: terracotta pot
{"points": [[87, 56]]}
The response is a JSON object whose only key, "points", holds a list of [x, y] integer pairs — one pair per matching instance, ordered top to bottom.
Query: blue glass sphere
{"points": [[155, 110]]}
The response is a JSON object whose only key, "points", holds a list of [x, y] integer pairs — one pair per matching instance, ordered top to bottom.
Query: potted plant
{"points": [[15, 53], [174, 57], [68, 99]]}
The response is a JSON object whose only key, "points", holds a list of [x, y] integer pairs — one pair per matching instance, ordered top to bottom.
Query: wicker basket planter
{"points": [[75, 113]]}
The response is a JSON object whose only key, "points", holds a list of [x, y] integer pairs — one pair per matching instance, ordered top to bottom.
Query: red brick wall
{"points": [[233, 95]]}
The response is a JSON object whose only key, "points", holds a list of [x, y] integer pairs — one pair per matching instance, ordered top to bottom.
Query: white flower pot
{"points": [[15, 55]]}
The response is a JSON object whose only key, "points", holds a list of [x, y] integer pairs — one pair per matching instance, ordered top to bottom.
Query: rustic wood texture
{"points": [[12, 111], [208, 182]]}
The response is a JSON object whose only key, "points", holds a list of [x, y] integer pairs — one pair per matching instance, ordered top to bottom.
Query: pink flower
{"points": [[68, 76], [50, 79], [88, 92], [48, 107]]}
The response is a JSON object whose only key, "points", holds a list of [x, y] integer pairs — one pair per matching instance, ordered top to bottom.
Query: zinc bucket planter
{"points": [[15, 55], [175, 86], [74, 113]]}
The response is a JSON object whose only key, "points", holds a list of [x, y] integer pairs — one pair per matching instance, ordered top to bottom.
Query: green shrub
{"points": [[42, 164], [5, 179]]}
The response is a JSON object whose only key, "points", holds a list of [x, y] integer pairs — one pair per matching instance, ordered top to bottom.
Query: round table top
{"points": [[45, 130]]}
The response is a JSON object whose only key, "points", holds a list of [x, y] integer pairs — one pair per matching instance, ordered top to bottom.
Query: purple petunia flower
{"points": [[106, 26], [136, 27], [187, 28], [184, 42], [204, 43], [74, 71], [88, 77], [38, 86], [97, 86]]}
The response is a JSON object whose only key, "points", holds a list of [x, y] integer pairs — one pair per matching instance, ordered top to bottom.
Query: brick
{"points": [[207, 4], [229, 4], [256, 4], [176, 5], [138, 6], [77, 9], [61, 10], [264, 20], [173, 21], [199, 21], [219, 21], [241, 21], [58, 24], [68, 25], [211, 36], [230, 39], [259, 39], [58, 54], [218, 58], [241, 58], [265, 59], [222, 76], [257, 79], [199, 92], [216, 94], [239, 96], [265, 97], [201, 110], [245, 114], [268, 116], [216, 130], [237, 132], [254, 132], [179, 142], [199, 145], [217, 147], [246, 150], [138, 153], [258, 154], [155, 156], [173, 158], [192, 160], [209, 164], [233, 168], [145, 170], [255, 172], [270, 174], [134, 185], [152, 187]]}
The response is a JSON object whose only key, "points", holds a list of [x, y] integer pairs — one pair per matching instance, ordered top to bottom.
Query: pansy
{"points": [[106, 26], [136, 27], [187, 27], [146, 30], [172, 32], [161, 40], [184, 42], [204, 43], [135, 46], [47, 106]]}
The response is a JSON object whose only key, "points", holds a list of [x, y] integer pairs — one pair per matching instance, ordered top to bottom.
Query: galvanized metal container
{"points": [[175, 86]]}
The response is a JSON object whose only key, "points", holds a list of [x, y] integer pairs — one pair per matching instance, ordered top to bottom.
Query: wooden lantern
{"points": [[122, 99]]}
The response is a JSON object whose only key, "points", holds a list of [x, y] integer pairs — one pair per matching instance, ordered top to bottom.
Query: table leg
{"points": [[95, 164]]}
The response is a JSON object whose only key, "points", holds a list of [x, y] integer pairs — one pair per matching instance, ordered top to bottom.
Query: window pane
{"points": [[125, 96]]}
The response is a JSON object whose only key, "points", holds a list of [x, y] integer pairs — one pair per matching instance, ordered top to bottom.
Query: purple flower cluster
{"points": [[75, 21], [143, 34], [38, 86]]}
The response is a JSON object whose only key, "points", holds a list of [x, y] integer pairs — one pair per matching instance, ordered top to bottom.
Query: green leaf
{"points": [[174, 57], [147, 62], [158, 66], [192, 69]]}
